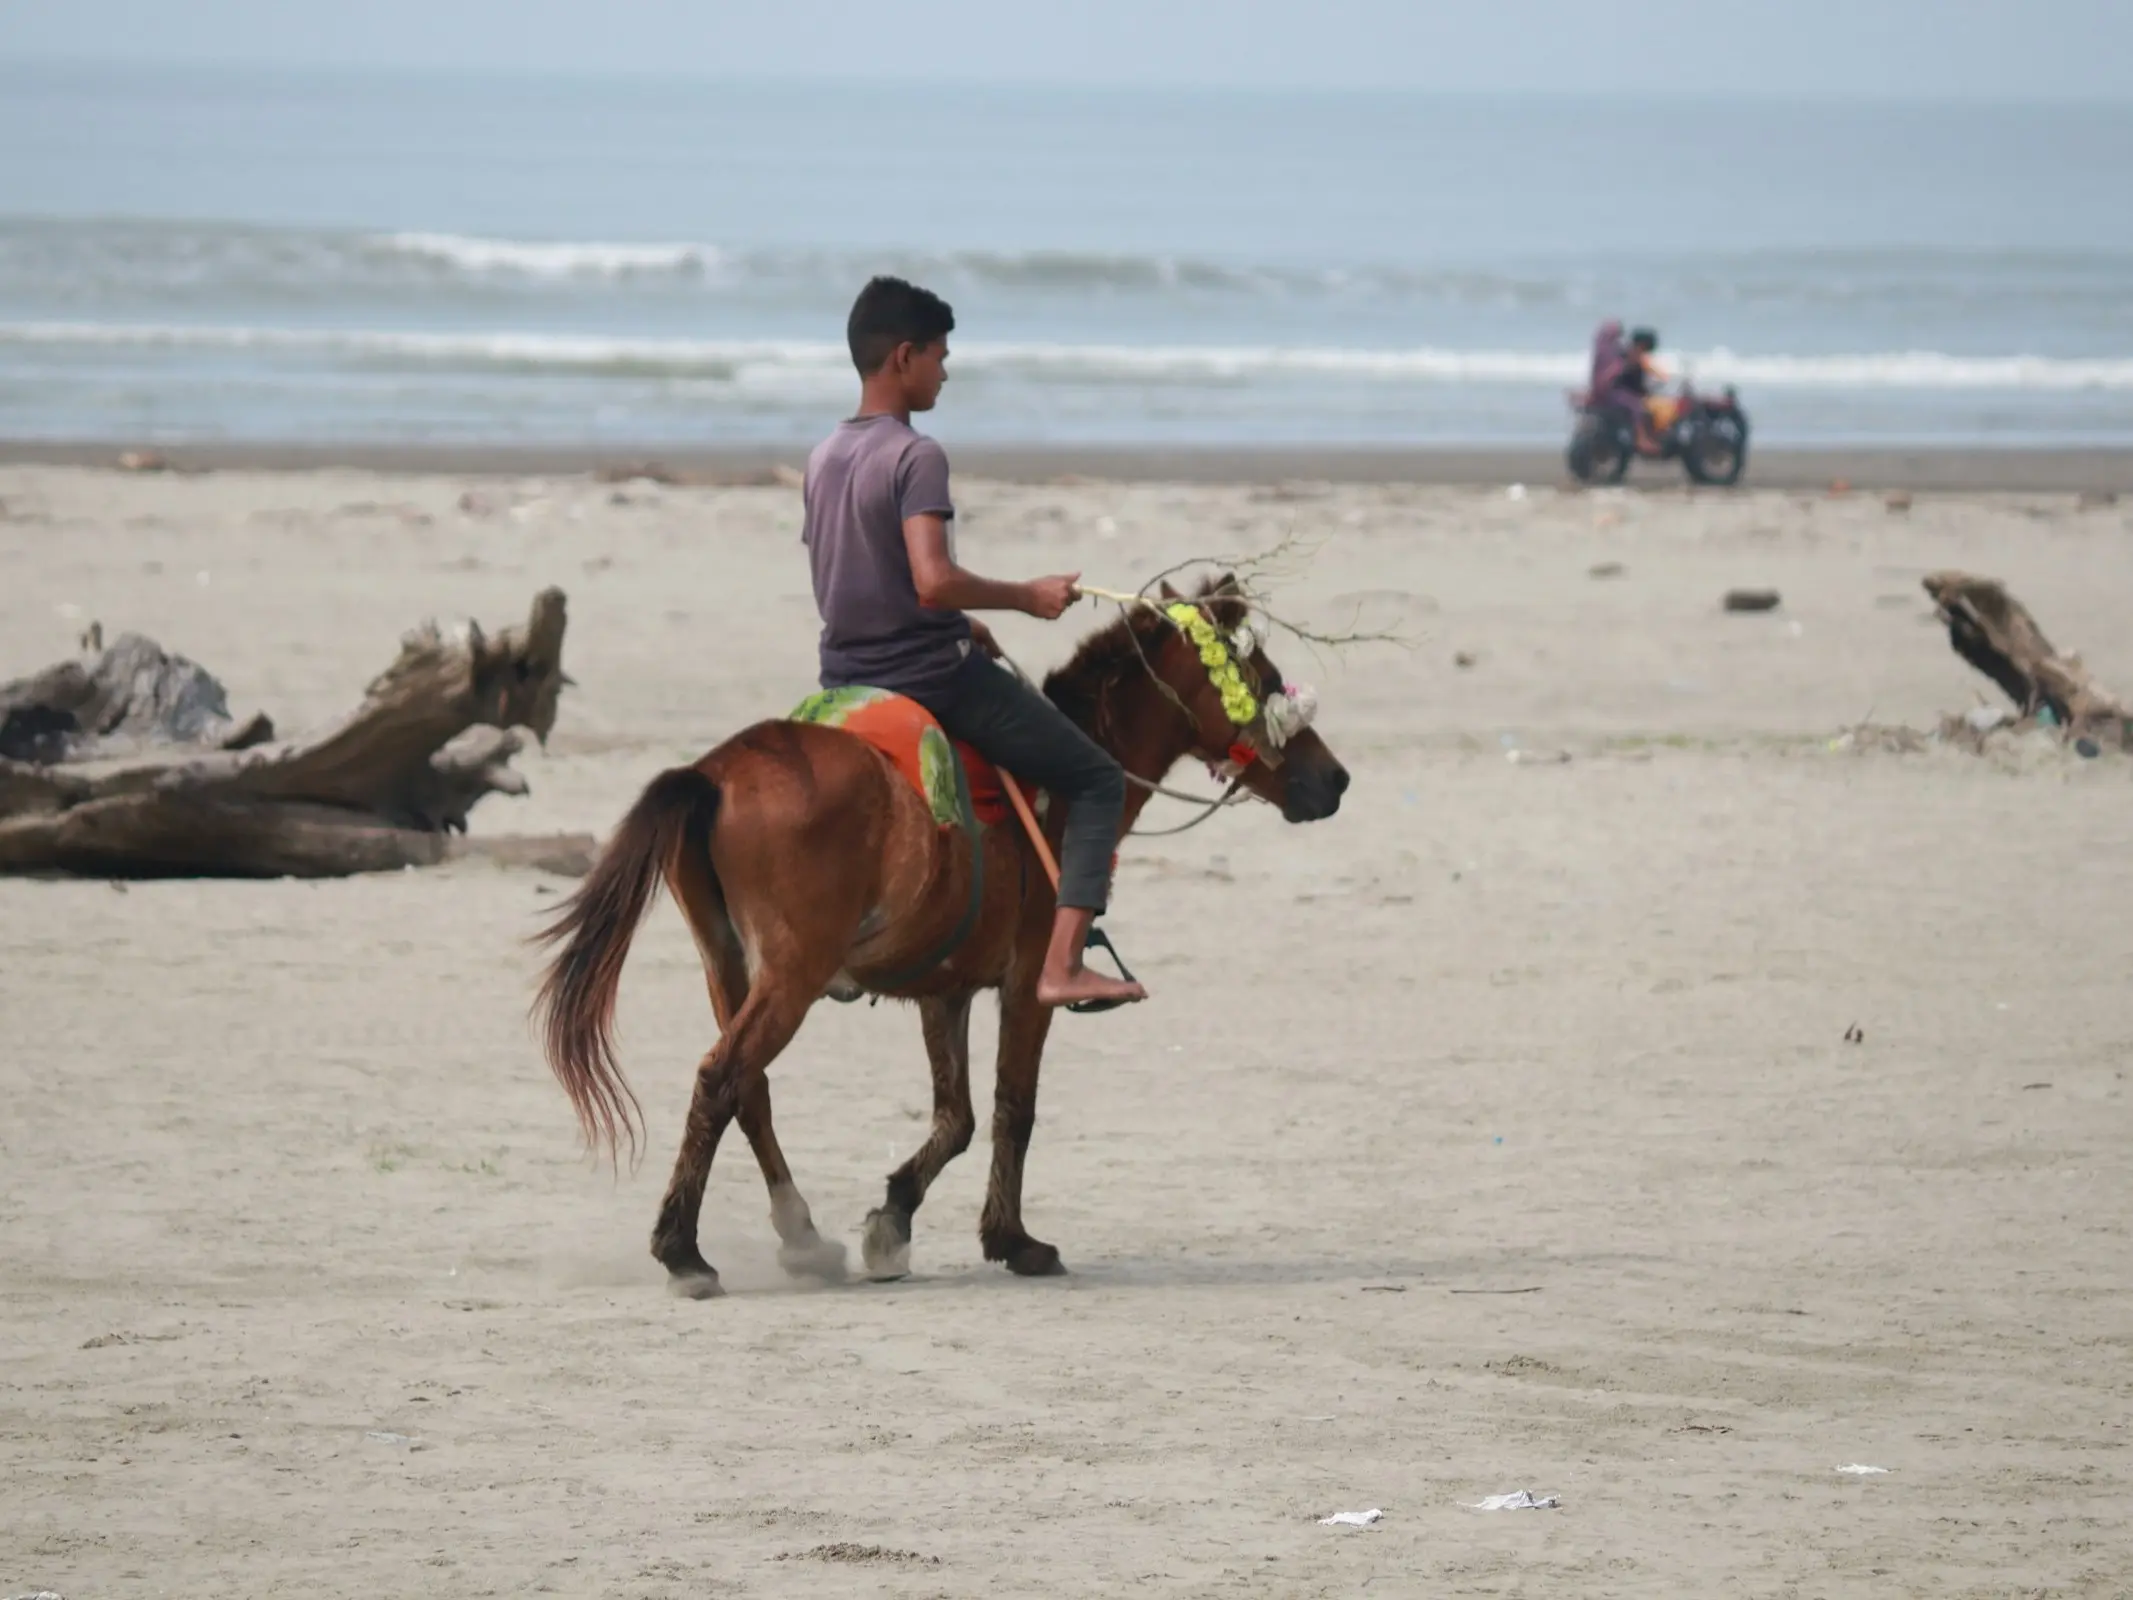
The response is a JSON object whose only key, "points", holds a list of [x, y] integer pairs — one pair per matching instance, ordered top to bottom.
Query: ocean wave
{"points": [[136, 258], [536, 259], [60, 263], [1024, 269], [529, 352], [743, 360]]}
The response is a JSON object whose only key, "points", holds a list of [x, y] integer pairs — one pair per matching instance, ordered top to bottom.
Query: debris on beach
{"points": [[639, 472], [1751, 600], [1994, 632], [2056, 710], [1880, 738], [126, 761], [1860, 1470], [1519, 1500], [1352, 1519], [846, 1553]]}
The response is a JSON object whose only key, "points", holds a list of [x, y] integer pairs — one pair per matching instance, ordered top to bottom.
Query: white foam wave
{"points": [[534, 259], [804, 360]]}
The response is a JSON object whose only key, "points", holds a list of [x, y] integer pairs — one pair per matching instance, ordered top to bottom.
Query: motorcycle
{"points": [[1708, 436]]}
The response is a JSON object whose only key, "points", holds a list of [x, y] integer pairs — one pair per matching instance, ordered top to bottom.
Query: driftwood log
{"points": [[1995, 633], [127, 762]]}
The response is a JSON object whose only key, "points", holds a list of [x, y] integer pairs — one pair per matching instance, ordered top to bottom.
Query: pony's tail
{"points": [[576, 1004]]}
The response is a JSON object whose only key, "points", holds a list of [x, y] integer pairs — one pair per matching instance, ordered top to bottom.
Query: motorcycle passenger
{"points": [[1609, 356]]}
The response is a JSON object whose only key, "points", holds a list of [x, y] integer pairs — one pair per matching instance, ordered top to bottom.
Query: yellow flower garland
{"points": [[1237, 701]]}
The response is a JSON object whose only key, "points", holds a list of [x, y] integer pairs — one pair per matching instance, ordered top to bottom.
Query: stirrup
{"points": [[1099, 940]]}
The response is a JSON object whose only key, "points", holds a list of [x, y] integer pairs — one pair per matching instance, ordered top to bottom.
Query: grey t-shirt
{"points": [[862, 482]]}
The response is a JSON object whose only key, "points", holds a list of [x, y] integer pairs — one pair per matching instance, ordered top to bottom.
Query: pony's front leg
{"points": [[1023, 1027], [887, 1243]]}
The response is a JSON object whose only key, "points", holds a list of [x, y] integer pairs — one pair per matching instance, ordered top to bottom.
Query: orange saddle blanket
{"points": [[960, 786]]}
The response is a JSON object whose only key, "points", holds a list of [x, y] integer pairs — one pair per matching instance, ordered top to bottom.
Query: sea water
{"points": [[245, 255]]}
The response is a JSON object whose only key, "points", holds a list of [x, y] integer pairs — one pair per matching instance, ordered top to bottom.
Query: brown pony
{"points": [[804, 865]]}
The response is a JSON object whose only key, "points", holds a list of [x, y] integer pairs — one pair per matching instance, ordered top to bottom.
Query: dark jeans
{"points": [[1013, 726]]}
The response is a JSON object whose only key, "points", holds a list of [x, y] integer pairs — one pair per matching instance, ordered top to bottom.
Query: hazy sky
{"points": [[2053, 49]]}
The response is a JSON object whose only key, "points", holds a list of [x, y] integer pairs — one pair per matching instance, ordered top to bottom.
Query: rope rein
{"points": [[1222, 802]]}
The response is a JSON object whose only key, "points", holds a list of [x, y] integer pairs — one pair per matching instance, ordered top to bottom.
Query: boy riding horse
{"points": [[894, 599]]}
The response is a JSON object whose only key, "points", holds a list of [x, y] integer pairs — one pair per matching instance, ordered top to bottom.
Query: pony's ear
{"points": [[1169, 592], [1225, 602]]}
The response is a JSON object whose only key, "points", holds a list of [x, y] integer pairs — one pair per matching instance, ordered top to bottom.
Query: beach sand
{"points": [[1945, 469], [1500, 1133]]}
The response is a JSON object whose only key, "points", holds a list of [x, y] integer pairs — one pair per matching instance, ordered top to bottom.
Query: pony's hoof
{"points": [[886, 1245], [814, 1258], [1034, 1260], [695, 1285]]}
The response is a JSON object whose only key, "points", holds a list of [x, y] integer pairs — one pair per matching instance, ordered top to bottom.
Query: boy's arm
{"points": [[944, 586]]}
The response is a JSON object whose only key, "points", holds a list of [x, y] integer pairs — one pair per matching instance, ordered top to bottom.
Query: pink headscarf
{"points": [[1608, 357]]}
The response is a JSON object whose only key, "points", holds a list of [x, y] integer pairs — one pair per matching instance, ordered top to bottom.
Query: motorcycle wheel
{"points": [[1716, 452], [1597, 453]]}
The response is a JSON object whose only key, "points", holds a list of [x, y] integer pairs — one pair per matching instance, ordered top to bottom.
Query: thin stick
{"points": [[1243, 590], [1116, 596], [1029, 824]]}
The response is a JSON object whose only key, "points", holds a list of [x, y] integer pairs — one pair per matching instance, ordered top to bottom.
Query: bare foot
{"points": [[1072, 988]]}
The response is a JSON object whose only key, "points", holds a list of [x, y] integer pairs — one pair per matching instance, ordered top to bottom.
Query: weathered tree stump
{"points": [[1995, 633], [127, 762]]}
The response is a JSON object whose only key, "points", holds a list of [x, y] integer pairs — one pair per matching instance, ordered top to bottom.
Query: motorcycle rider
{"points": [[1640, 381]]}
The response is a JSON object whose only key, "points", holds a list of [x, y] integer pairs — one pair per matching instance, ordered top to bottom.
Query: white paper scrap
{"points": [[1859, 1470], [1523, 1500], [1352, 1519]]}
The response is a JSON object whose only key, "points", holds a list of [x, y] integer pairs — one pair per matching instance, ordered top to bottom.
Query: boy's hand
{"points": [[1050, 597], [981, 636]]}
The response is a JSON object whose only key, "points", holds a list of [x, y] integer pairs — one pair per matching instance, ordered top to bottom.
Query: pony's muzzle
{"points": [[1313, 793]]}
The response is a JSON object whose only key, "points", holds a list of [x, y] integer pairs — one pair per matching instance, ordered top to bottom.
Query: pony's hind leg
{"points": [[763, 1026], [1023, 1026], [887, 1245], [801, 1250]]}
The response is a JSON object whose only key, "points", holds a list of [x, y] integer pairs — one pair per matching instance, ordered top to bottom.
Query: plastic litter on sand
{"points": [[1861, 1470], [1522, 1500], [1352, 1519]]}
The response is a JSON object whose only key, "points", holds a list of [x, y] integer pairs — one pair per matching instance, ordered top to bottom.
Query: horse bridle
{"points": [[1249, 739]]}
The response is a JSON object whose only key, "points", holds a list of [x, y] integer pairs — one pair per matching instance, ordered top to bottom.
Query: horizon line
{"points": [[1009, 83]]}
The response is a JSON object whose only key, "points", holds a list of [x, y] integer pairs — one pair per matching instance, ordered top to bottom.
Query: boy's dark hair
{"points": [[890, 312], [1645, 339]]}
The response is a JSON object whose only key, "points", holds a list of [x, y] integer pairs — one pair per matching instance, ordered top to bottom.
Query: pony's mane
{"points": [[1105, 657]]}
